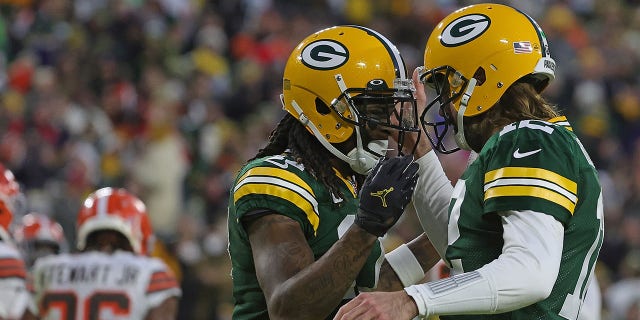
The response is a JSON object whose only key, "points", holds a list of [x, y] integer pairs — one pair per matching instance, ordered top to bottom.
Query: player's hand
{"points": [[420, 94], [416, 143], [385, 193], [379, 305]]}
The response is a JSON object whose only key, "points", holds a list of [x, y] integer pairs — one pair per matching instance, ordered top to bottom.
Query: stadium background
{"points": [[169, 97]]}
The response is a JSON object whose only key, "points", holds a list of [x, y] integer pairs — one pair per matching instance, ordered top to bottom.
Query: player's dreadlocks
{"points": [[305, 148]]}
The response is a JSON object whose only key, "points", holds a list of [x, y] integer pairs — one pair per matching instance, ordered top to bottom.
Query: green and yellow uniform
{"points": [[530, 165], [279, 184]]}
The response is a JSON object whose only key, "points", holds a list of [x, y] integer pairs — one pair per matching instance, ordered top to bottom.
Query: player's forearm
{"points": [[431, 200], [533, 247], [424, 253], [316, 291]]}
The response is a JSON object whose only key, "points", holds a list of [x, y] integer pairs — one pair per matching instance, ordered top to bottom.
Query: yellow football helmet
{"points": [[472, 57], [336, 81]]}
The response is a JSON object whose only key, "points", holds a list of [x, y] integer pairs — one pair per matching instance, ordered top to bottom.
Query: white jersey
{"points": [[97, 285], [14, 296]]}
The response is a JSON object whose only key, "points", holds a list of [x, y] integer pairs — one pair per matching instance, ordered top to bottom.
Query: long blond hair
{"points": [[520, 102]]}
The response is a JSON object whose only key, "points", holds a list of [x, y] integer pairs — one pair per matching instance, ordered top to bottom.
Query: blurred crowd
{"points": [[168, 98]]}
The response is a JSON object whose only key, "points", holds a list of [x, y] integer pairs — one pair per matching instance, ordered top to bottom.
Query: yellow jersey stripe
{"points": [[557, 119], [561, 121], [528, 172], [277, 173], [346, 182], [531, 182], [261, 185], [530, 191]]}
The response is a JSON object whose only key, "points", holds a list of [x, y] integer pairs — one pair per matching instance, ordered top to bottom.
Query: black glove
{"points": [[385, 193]]}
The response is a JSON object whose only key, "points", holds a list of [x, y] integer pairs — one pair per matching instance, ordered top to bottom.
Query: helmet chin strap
{"points": [[461, 141], [359, 159], [364, 160], [367, 160]]}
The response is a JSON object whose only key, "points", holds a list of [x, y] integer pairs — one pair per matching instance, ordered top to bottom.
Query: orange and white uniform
{"points": [[97, 285], [14, 296]]}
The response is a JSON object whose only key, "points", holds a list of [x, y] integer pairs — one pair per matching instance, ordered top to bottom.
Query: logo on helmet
{"points": [[464, 29], [324, 55], [550, 64]]}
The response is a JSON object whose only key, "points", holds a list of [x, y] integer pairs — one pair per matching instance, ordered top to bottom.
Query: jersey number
{"points": [[573, 301], [66, 303]]}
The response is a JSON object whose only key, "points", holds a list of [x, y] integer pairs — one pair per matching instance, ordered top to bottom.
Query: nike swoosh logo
{"points": [[518, 155]]}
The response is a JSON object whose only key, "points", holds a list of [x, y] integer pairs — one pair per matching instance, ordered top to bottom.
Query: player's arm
{"points": [[431, 200], [533, 244], [533, 247], [407, 265], [296, 286], [162, 292], [14, 297], [167, 310]]}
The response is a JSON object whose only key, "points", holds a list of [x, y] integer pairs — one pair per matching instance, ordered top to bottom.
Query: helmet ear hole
{"points": [[480, 75], [322, 107]]}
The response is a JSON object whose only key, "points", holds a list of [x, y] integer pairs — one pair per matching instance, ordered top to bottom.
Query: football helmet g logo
{"points": [[464, 29], [324, 55], [472, 57], [342, 80]]}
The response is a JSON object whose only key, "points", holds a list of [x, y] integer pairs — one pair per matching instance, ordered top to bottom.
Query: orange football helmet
{"points": [[9, 195], [119, 210], [39, 227], [35, 233]]}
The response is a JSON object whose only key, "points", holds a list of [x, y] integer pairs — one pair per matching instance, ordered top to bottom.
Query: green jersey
{"points": [[530, 165], [280, 184]]}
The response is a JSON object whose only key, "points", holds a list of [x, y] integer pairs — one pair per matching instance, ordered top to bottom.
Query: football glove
{"points": [[385, 193]]}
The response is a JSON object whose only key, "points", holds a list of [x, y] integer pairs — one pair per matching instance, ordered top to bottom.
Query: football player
{"points": [[522, 228], [37, 236], [296, 252], [112, 277], [14, 296]]}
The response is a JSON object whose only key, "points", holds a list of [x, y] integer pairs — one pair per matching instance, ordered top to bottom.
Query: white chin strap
{"points": [[461, 141], [359, 159], [365, 160]]}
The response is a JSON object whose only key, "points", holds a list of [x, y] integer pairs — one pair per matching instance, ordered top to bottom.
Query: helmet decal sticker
{"points": [[464, 29], [541, 36], [522, 47], [324, 55]]}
